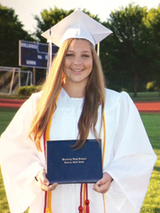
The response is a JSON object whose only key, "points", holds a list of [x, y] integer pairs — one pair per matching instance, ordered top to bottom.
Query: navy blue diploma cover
{"points": [[68, 165]]}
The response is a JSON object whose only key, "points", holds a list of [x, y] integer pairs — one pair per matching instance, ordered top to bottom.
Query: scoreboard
{"points": [[35, 55]]}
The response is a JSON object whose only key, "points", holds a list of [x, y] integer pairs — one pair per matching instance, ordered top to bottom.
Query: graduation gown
{"points": [[129, 157]]}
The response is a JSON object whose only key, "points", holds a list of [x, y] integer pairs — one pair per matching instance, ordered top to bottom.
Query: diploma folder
{"points": [[69, 165]]}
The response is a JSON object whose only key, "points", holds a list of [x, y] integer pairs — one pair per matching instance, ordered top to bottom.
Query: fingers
{"points": [[44, 182], [103, 184], [48, 187], [52, 187], [101, 188]]}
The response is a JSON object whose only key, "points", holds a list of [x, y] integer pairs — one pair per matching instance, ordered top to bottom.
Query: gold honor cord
{"points": [[104, 148], [49, 194]]}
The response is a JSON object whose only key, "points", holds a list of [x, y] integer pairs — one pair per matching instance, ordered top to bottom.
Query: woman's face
{"points": [[78, 62]]}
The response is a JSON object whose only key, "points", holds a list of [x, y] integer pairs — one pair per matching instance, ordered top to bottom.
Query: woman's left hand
{"points": [[103, 184]]}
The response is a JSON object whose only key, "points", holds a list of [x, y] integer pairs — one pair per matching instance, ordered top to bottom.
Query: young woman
{"points": [[74, 104]]}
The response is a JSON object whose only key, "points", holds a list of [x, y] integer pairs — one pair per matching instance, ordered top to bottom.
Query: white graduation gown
{"points": [[129, 157]]}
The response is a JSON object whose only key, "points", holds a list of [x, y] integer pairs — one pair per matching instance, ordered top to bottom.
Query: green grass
{"points": [[146, 96], [6, 114], [5, 117], [152, 125], [3, 200], [152, 200]]}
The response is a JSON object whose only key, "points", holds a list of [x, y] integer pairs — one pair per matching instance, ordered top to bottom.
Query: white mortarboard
{"points": [[77, 25]]}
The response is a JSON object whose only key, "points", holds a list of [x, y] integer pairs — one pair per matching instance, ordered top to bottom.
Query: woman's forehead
{"points": [[81, 44]]}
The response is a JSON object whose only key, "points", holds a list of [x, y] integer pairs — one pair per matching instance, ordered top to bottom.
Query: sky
{"points": [[27, 9]]}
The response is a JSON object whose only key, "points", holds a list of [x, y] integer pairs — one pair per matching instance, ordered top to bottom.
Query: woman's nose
{"points": [[77, 60]]}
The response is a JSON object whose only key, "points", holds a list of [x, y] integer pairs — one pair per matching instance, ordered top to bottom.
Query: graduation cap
{"points": [[77, 25]]}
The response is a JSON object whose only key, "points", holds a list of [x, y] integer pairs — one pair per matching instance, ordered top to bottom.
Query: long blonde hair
{"points": [[94, 96]]}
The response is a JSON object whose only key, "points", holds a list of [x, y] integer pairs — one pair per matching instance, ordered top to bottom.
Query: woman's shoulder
{"points": [[114, 95], [34, 97], [114, 98], [29, 105]]}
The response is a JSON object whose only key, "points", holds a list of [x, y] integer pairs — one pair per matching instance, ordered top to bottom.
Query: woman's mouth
{"points": [[77, 70]]}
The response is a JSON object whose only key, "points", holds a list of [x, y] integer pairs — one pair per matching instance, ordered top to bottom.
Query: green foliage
{"points": [[49, 19], [152, 22], [11, 31], [131, 53], [152, 86], [27, 91]]}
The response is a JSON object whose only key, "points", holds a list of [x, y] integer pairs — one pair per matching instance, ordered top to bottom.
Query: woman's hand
{"points": [[44, 182], [103, 184]]}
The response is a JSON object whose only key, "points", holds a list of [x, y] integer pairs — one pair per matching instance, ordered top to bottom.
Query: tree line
{"points": [[130, 56]]}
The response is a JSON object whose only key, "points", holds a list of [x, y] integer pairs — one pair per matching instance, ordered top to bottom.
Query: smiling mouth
{"points": [[75, 70]]}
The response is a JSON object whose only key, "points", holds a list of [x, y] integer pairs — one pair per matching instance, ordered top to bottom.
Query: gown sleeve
{"points": [[131, 157], [20, 161]]}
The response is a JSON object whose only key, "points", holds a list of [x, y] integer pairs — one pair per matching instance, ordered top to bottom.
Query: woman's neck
{"points": [[74, 91]]}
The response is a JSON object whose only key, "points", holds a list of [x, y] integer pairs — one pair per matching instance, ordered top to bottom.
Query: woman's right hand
{"points": [[44, 182]]}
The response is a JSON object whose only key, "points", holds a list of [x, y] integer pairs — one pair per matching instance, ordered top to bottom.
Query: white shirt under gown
{"points": [[129, 157]]}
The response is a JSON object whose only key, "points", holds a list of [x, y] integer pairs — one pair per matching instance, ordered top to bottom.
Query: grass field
{"points": [[146, 96], [152, 125]]}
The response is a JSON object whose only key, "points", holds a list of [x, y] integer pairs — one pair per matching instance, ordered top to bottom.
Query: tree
{"points": [[49, 19], [152, 21], [10, 34], [129, 51]]}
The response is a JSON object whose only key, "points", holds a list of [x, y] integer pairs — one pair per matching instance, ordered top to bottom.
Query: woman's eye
{"points": [[69, 55], [85, 56]]}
